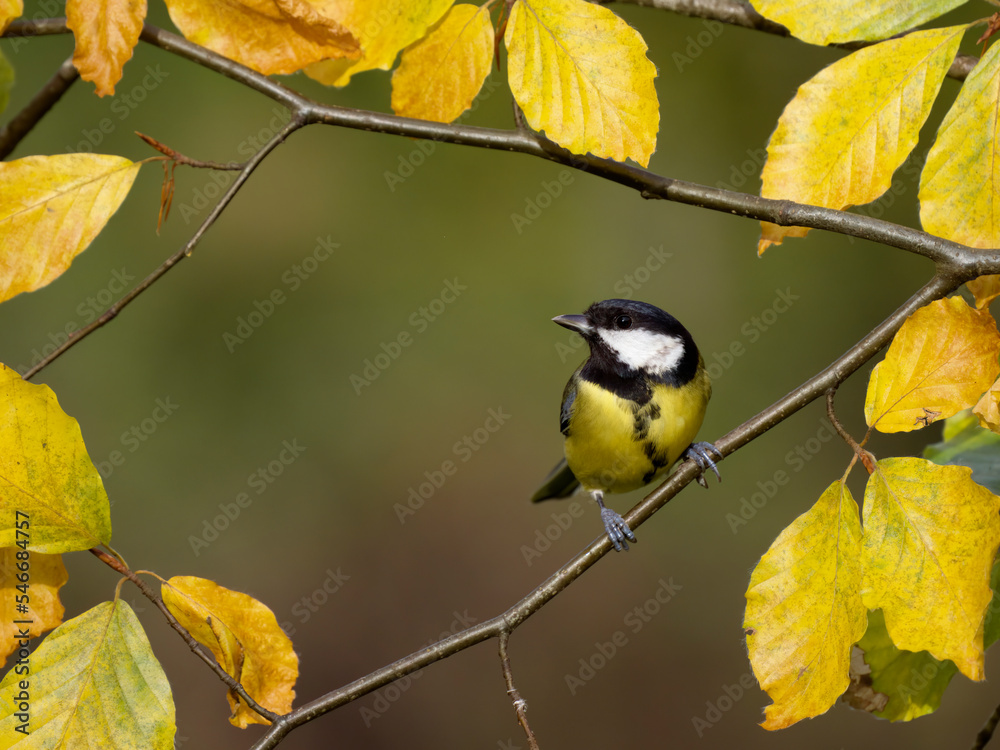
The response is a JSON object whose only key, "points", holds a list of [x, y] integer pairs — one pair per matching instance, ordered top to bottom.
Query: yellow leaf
{"points": [[9, 10], [851, 20], [384, 28], [106, 32], [269, 36], [580, 73], [439, 76], [853, 124], [960, 184], [51, 209], [985, 289], [940, 361], [988, 408], [46, 476], [931, 534], [36, 602], [804, 610], [245, 638], [94, 683]]}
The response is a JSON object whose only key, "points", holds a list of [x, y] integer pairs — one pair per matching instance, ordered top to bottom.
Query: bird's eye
{"points": [[623, 322]]}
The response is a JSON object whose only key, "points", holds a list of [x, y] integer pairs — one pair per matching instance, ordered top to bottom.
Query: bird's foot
{"points": [[700, 453], [614, 524]]}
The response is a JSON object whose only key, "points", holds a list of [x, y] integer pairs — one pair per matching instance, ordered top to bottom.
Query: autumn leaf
{"points": [[9, 10], [851, 20], [384, 28], [106, 32], [269, 36], [580, 73], [439, 76], [6, 81], [853, 124], [960, 183], [51, 209], [985, 289], [940, 362], [988, 408], [965, 443], [46, 476], [930, 537], [804, 610], [43, 611], [245, 639], [912, 682], [94, 683]]}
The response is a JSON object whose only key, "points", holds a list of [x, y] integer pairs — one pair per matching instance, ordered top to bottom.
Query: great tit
{"points": [[632, 409]]}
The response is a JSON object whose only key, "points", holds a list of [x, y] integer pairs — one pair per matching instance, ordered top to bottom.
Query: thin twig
{"points": [[14, 131], [112, 312], [861, 453], [116, 565], [520, 705], [986, 733]]}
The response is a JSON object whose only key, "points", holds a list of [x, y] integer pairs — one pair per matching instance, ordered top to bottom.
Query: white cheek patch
{"points": [[655, 353]]}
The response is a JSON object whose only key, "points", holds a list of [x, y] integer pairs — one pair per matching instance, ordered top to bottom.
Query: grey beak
{"points": [[578, 323]]}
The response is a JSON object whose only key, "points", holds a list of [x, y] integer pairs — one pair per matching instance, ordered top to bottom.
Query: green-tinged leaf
{"points": [[851, 20], [581, 74], [6, 81], [854, 123], [960, 183], [51, 209], [967, 444], [48, 483], [931, 535], [804, 610], [991, 625], [912, 683], [94, 684]]}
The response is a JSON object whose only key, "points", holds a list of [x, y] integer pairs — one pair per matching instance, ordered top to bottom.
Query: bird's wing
{"points": [[569, 398], [560, 483]]}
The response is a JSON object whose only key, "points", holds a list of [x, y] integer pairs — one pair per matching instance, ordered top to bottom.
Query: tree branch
{"points": [[14, 131], [520, 705]]}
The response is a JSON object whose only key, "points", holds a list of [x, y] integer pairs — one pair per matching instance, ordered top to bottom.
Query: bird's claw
{"points": [[700, 453], [618, 530]]}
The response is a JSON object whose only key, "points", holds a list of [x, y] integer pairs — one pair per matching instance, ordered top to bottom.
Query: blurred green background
{"points": [[406, 223]]}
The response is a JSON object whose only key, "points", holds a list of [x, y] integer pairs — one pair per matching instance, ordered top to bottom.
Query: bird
{"points": [[632, 409]]}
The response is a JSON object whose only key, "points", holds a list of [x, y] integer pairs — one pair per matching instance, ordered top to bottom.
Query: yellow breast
{"points": [[615, 445]]}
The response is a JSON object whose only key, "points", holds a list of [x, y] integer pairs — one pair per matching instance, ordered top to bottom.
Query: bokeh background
{"points": [[406, 223]]}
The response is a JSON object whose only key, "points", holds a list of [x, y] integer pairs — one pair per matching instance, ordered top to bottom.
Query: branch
{"points": [[14, 131], [112, 312], [503, 625], [227, 678], [520, 705], [986, 733]]}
